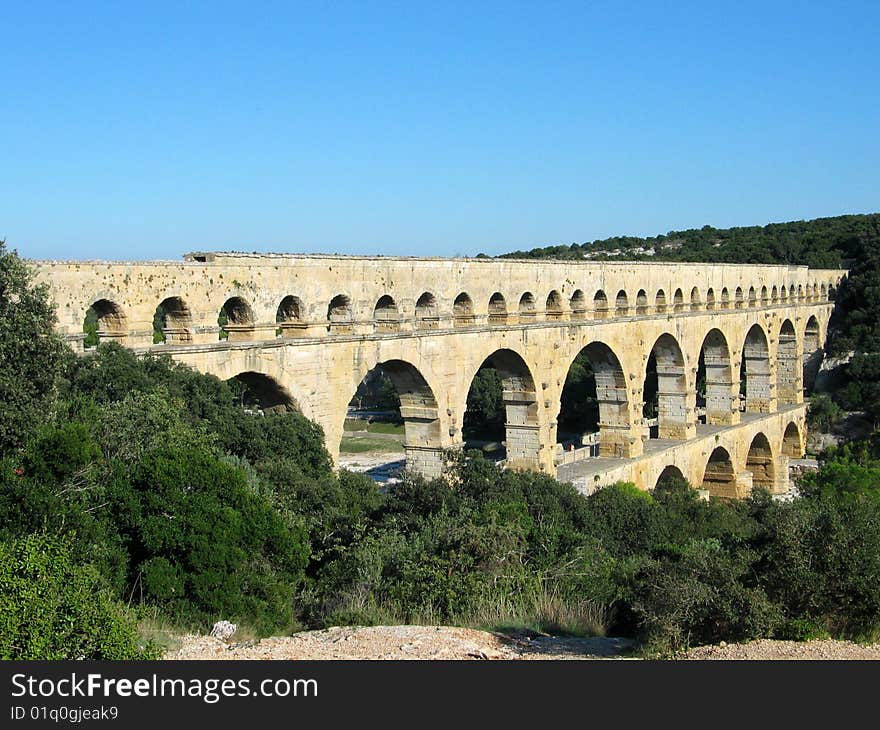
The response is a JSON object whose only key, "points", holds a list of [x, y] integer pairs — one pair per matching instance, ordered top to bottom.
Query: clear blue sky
{"points": [[144, 130]]}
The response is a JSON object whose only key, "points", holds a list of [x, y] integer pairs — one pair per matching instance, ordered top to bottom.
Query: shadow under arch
{"points": [[497, 309], [427, 312], [386, 316], [289, 317], [236, 320], [104, 321], [172, 321], [813, 352], [755, 372], [789, 372], [715, 386], [665, 391], [265, 393], [594, 399], [413, 402], [518, 402], [792, 443], [761, 464], [719, 476], [670, 478]]}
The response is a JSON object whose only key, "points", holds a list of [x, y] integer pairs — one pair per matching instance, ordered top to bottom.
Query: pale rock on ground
{"points": [[401, 642], [447, 642]]}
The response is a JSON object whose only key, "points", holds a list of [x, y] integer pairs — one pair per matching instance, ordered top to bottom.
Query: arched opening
{"points": [[822, 292], [783, 293], [792, 293], [800, 293], [832, 293], [774, 295], [764, 296], [753, 297], [725, 298], [738, 298], [695, 299], [710, 299], [660, 301], [678, 301], [641, 302], [621, 304], [578, 305], [600, 305], [527, 307], [553, 307], [497, 309], [462, 311], [427, 312], [289, 317], [340, 317], [386, 318], [236, 320], [104, 321], [172, 322], [813, 353], [789, 372], [755, 380], [259, 392], [716, 393], [502, 403], [665, 406], [593, 411], [392, 422], [792, 446], [761, 464], [719, 477], [670, 478]]}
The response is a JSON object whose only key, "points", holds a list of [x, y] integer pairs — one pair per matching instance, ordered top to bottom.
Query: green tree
{"points": [[31, 353], [485, 405], [202, 543], [54, 608]]}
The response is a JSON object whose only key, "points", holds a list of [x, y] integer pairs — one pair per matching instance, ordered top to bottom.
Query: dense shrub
{"points": [[31, 353], [111, 374], [202, 544], [702, 594], [54, 608]]}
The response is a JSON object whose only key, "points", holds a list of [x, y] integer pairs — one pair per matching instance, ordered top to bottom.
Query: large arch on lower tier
{"points": [[716, 386], [666, 390], [265, 393], [520, 404], [417, 410], [611, 414], [792, 442], [761, 463], [670, 476], [719, 476]]}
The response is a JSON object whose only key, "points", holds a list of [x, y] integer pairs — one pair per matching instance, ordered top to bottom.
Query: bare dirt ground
{"points": [[401, 642], [446, 642], [774, 649]]}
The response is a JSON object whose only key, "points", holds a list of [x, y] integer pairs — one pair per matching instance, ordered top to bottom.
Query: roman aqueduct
{"points": [[305, 330]]}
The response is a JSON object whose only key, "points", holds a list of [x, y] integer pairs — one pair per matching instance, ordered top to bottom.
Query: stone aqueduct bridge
{"points": [[314, 326]]}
